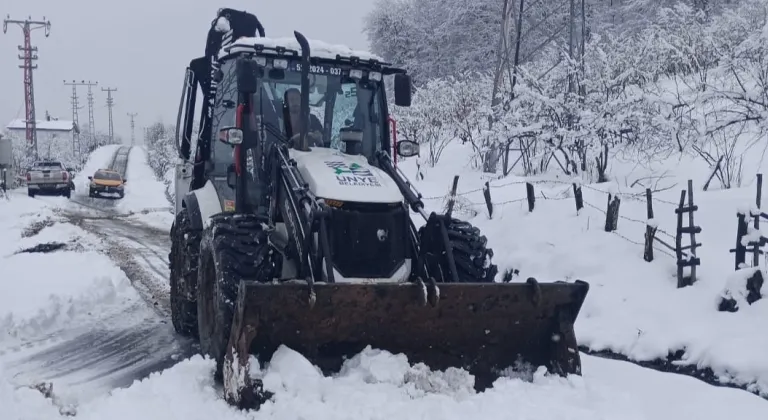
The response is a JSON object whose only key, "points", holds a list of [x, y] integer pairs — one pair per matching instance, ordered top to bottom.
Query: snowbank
{"points": [[98, 159], [144, 193], [19, 215], [39, 290], [633, 307], [378, 385], [24, 403]]}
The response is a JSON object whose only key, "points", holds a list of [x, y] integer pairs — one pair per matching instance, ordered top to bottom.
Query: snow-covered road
{"points": [[121, 343]]}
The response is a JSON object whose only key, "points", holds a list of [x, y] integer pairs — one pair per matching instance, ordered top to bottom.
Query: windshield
{"points": [[335, 100], [47, 165], [111, 176]]}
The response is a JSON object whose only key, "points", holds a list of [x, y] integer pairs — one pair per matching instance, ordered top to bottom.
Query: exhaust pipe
{"points": [[304, 113]]}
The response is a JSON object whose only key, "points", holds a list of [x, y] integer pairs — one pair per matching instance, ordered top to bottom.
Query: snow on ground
{"points": [[98, 159], [144, 193], [41, 290], [633, 307], [378, 385]]}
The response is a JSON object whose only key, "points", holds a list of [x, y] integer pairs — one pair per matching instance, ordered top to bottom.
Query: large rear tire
{"points": [[185, 243], [233, 248], [472, 258]]}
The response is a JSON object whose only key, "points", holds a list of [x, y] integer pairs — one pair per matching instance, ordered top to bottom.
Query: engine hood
{"points": [[335, 175]]}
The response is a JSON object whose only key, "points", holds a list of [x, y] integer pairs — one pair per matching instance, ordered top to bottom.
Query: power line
{"points": [[30, 55], [110, 104], [133, 124], [76, 146]]}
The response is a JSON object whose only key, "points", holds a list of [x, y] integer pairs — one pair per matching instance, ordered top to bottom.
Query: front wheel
{"points": [[185, 243], [233, 248], [473, 260]]}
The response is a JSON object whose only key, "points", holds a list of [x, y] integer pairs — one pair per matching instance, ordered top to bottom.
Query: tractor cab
{"points": [[268, 92], [345, 96]]}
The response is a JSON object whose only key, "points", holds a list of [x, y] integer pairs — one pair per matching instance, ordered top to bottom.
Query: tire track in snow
{"points": [[114, 349]]}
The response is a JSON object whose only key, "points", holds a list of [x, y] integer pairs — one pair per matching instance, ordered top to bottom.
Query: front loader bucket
{"points": [[481, 327]]}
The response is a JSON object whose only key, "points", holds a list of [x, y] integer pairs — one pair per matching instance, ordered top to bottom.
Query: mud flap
{"points": [[481, 327]]}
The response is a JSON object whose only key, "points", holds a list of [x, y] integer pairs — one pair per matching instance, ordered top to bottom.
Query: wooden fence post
{"points": [[530, 195], [487, 196], [578, 197], [452, 198], [758, 199], [691, 209], [612, 213], [650, 227], [679, 240], [740, 251], [691, 261]]}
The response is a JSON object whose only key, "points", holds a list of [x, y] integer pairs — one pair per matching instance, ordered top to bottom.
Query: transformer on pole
{"points": [[29, 55]]}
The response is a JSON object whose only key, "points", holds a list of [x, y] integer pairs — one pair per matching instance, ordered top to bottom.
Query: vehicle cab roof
{"points": [[320, 52]]}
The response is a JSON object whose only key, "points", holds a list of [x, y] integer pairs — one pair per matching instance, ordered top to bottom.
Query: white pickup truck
{"points": [[48, 177]]}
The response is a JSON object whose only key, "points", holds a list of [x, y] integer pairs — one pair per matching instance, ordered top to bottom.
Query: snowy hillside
{"points": [[634, 307]]}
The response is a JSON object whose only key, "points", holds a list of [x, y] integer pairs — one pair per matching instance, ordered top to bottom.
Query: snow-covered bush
{"points": [[568, 86]]}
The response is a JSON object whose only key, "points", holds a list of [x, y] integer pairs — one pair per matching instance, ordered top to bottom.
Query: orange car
{"points": [[105, 181]]}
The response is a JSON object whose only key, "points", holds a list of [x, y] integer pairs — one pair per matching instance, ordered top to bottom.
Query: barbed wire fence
{"points": [[670, 245]]}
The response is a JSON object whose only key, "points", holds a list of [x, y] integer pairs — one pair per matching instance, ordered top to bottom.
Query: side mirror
{"points": [[246, 75], [403, 87], [231, 135], [407, 148], [231, 176], [91, 178], [124, 180]]}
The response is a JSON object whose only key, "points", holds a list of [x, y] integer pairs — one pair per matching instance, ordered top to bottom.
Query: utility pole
{"points": [[30, 54], [110, 104], [75, 119], [91, 122], [133, 124], [76, 146]]}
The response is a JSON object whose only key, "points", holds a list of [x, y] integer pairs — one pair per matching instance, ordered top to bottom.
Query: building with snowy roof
{"points": [[46, 128], [54, 138]]}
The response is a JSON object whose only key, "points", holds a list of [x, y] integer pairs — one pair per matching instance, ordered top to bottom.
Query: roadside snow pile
{"points": [[100, 158], [144, 193], [22, 216], [59, 277], [633, 308], [385, 386], [24, 403]]}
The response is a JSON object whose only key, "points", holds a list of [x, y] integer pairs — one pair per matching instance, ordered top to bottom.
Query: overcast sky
{"points": [[141, 47]]}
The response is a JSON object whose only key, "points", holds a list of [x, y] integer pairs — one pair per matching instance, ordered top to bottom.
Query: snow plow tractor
{"points": [[293, 227]]}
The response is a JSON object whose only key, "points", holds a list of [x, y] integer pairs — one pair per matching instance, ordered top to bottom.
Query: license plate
{"points": [[46, 175]]}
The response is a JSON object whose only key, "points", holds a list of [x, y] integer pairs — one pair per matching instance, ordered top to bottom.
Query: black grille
{"points": [[371, 243]]}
